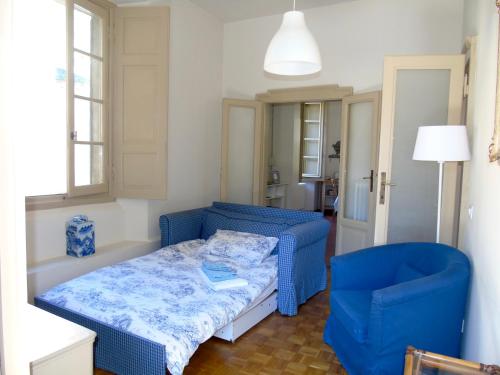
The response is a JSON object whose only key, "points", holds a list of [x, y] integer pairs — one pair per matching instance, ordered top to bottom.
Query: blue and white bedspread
{"points": [[162, 297]]}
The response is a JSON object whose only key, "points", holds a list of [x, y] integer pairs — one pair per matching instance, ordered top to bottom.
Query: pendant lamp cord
{"points": [[293, 4]]}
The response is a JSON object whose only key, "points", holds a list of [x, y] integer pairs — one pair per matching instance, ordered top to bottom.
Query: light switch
{"points": [[471, 212]]}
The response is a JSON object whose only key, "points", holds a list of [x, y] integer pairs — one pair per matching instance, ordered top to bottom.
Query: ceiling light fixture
{"points": [[293, 51]]}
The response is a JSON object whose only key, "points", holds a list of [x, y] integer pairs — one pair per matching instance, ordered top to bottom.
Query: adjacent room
{"points": [[249, 187]]}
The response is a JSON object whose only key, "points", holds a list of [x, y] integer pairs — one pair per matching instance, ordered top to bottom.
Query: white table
{"points": [[57, 346]]}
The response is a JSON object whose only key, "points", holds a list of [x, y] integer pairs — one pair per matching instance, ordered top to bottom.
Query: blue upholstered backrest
{"points": [[292, 217], [222, 219], [203, 222], [438, 257]]}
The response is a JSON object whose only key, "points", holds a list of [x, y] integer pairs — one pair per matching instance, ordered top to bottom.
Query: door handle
{"points": [[371, 180], [383, 184]]}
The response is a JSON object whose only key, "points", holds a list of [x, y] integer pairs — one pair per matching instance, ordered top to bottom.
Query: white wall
{"points": [[353, 38], [193, 143], [479, 235], [12, 244]]}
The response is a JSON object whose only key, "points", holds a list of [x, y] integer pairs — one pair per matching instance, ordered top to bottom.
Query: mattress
{"points": [[273, 285], [162, 298]]}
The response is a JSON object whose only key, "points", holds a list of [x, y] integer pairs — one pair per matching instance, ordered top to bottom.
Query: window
{"points": [[66, 109], [68, 127], [312, 139]]}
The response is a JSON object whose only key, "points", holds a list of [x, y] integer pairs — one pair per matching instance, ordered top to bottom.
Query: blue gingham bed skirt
{"points": [[115, 350]]}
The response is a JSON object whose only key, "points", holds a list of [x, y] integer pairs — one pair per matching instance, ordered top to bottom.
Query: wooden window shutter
{"points": [[140, 102]]}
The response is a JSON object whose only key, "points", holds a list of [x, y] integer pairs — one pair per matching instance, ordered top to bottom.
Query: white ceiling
{"points": [[235, 10]]}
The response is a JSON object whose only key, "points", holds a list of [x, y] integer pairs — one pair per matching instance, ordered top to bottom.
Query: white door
{"points": [[417, 91], [241, 156], [358, 166]]}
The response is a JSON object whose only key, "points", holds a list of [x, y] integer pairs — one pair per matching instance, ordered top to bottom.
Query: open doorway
{"points": [[304, 156]]}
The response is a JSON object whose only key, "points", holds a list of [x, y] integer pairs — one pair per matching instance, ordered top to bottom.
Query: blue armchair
{"points": [[385, 298]]}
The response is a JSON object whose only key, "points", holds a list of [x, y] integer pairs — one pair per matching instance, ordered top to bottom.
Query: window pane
{"points": [[88, 31], [88, 76], [312, 111], [45, 119], [88, 120], [312, 130], [311, 148], [240, 155], [358, 162], [89, 165], [310, 167], [413, 206]]}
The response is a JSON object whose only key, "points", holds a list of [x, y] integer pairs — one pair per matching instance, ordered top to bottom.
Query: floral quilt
{"points": [[162, 297]]}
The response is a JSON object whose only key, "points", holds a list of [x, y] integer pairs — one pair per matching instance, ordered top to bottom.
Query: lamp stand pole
{"points": [[440, 190]]}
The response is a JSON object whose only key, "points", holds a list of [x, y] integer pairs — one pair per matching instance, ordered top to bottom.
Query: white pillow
{"points": [[247, 249]]}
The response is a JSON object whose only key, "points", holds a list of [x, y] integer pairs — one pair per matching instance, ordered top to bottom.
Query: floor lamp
{"points": [[441, 143]]}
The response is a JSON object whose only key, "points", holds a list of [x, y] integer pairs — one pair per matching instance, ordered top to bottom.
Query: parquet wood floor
{"points": [[277, 345]]}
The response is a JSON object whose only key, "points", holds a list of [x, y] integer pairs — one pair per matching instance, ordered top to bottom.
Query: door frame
{"points": [[392, 64], [323, 93], [375, 98]]}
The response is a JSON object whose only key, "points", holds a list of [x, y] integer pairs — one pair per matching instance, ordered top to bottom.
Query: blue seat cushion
{"points": [[222, 219], [406, 272], [352, 309]]}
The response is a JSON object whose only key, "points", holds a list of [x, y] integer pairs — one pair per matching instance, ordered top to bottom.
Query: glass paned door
{"points": [[418, 91], [241, 151], [358, 165], [413, 207]]}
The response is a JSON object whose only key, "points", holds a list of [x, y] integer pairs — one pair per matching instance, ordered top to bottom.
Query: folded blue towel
{"points": [[217, 266], [218, 271]]}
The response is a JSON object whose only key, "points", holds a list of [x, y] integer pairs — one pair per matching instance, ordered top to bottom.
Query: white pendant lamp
{"points": [[293, 51]]}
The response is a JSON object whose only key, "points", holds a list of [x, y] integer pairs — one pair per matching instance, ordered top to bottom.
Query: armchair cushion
{"points": [[406, 273], [352, 309]]}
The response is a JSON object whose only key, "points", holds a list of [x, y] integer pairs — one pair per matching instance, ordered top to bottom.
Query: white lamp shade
{"points": [[293, 50], [442, 143]]}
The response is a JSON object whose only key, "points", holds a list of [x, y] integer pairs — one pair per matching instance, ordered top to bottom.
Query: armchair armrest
{"points": [[181, 226], [303, 234], [371, 268]]}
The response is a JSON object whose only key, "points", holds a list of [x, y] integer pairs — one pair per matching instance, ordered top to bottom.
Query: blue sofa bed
{"points": [[301, 247], [385, 298]]}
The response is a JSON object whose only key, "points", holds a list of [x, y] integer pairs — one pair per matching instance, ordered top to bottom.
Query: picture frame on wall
{"points": [[494, 148]]}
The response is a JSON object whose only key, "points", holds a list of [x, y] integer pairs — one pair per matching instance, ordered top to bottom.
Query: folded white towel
{"points": [[220, 285]]}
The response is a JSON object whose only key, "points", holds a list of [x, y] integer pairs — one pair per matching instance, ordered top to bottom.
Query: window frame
{"points": [[303, 140], [96, 193]]}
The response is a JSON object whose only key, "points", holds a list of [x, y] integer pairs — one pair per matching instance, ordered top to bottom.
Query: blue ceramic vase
{"points": [[80, 236]]}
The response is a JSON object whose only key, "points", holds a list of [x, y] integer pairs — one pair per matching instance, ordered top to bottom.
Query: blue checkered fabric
{"points": [[293, 216], [228, 220], [181, 226], [301, 248], [301, 264], [115, 350]]}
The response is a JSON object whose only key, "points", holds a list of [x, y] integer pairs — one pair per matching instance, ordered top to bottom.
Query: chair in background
{"points": [[385, 298], [421, 362]]}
